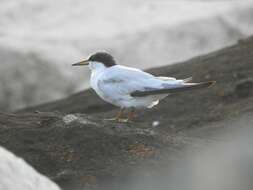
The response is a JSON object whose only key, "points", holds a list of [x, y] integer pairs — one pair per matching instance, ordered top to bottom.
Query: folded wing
{"points": [[122, 80], [172, 89]]}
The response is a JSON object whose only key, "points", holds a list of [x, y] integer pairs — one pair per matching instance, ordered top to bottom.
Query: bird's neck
{"points": [[96, 68]]}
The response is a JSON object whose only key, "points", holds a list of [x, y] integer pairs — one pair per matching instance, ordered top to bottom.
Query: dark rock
{"points": [[244, 88], [74, 149]]}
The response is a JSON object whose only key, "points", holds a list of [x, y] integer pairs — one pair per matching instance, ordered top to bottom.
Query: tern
{"points": [[131, 88]]}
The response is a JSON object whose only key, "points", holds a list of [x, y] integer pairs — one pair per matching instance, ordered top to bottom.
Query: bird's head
{"points": [[98, 60]]}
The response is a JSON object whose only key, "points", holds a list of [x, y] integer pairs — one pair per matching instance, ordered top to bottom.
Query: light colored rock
{"points": [[16, 174]]}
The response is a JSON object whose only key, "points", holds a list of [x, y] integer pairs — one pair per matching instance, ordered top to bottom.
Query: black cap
{"points": [[104, 58]]}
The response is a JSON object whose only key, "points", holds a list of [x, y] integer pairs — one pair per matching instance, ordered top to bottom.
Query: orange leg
{"points": [[120, 114], [131, 115]]}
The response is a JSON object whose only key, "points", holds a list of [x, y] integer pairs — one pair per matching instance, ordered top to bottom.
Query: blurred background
{"points": [[39, 40]]}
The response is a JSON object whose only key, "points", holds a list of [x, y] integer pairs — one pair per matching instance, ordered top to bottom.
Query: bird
{"points": [[131, 88]]}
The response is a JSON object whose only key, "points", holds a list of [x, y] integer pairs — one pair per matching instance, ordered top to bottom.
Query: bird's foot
{"points": [[120, 120], [124, 120]]}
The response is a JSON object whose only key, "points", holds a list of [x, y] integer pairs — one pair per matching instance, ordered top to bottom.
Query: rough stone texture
{"points": [[83, 151]]}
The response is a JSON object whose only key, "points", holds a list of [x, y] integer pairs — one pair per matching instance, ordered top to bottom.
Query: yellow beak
{"points": [[81, 63]]}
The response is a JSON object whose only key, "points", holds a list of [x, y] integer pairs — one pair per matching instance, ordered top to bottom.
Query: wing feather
{"points": [[120, 80], [125, 80]]}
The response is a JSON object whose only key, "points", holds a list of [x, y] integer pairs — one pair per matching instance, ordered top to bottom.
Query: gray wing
{"points": [[123, 81], [172, 89]]}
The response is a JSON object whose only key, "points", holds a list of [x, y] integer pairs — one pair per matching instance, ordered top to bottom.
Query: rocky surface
{"points": [[70, 142]]}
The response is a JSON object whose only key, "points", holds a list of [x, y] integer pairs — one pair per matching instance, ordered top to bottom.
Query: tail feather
{"points": [[187, 79], [185, 87]]}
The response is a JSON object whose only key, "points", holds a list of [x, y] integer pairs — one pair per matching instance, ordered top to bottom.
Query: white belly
{"points": [[128, 101], [142, 102]]}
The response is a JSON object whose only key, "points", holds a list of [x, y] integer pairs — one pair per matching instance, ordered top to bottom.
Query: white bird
{"points": [[130, 88]]}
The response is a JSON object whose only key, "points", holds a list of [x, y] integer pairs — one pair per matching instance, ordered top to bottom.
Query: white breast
{"points": [[95, 77], [97, 81]]}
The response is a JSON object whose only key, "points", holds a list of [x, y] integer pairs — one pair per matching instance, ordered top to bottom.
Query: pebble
{"points": [[69, 118], [155, 123]]}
